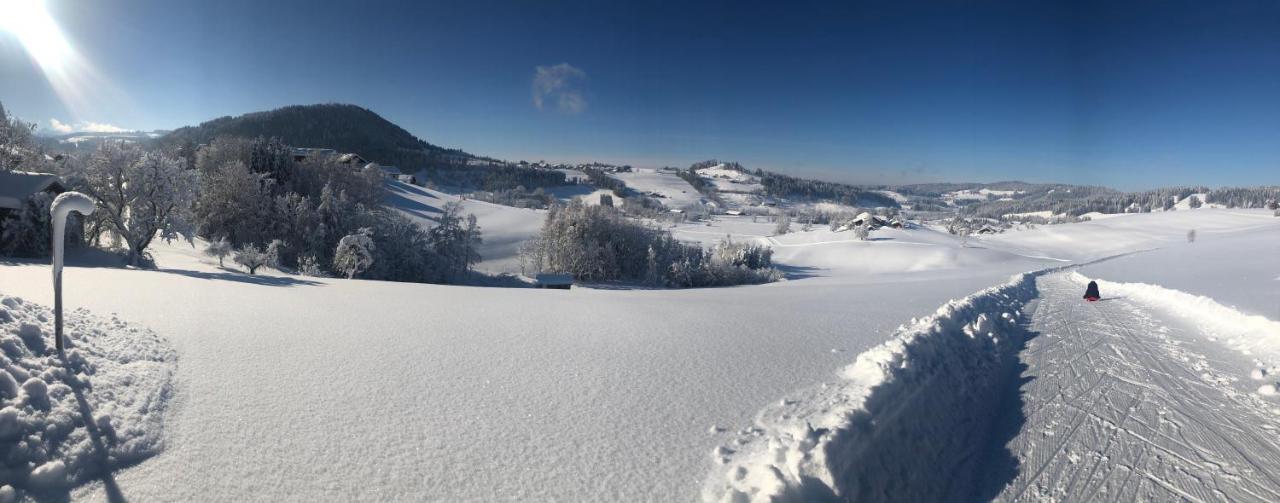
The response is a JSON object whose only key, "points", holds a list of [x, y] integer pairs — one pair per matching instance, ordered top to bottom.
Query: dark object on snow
{"points": [[1091, 293]]}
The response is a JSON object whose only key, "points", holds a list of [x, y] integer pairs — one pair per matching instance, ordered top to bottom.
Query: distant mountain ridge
{"points": [[343, 127]]}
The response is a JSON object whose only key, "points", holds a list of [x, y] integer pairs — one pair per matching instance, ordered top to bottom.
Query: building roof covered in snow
{"points": [[302, 153], [352, 159], [16, 186]]}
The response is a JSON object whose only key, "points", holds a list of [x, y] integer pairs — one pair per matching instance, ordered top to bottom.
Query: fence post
{"points": [[63, 205]]}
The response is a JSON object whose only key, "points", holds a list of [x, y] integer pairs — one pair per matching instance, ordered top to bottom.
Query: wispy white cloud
{"points": [[560, 88], [60, 127]]}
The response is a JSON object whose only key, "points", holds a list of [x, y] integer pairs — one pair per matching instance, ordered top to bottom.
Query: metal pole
{"points": [[63, 205]]}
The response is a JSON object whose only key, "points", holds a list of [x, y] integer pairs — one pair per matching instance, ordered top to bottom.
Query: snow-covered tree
{"points": [[15, 141], [142, 194], [1193, 202], [235, 203], [455, 238], [219, 248], [274, 250], [354, 254], [251, 257], [308, 265]]}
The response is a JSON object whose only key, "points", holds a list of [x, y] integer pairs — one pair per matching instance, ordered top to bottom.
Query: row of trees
{"points": [[252, 201], [320, 216], [598, 243]]}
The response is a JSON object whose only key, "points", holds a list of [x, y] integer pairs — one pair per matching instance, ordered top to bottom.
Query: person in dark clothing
{"points": [[1091, 293]]}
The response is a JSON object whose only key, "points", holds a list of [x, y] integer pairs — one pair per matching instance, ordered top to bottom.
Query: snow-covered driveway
{"points": [[1124, 404]]}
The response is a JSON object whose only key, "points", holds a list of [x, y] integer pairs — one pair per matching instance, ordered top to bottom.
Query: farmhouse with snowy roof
{"points": [[18, 186], [24, 213], [876, 221]]}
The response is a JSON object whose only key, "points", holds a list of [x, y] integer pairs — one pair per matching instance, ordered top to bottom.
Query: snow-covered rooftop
{"points": [[15, 186]]}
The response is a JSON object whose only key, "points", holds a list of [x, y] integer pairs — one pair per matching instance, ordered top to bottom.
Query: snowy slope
{"points": [[731, 180], [677, 192], [503, 228], [1129, 232], [1239, 269]]}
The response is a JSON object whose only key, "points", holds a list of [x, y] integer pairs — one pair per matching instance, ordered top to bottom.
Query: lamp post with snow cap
{"points": [[63, 205]]}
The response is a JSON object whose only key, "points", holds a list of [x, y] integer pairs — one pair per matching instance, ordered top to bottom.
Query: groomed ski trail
{"points": [[1118, 408]]}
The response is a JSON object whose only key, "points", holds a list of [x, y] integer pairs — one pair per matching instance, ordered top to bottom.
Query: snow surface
{"points": [[731, 180], [678, 193], [1126, 233], [1237, 269], [320, 389], [1026, 392], [1124, 402], [67, 419]]}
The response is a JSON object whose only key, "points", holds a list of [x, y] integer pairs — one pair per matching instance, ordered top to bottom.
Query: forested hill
{"points": [[345, 128]]}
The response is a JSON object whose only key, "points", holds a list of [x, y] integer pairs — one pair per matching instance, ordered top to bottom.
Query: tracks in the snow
{"points": [[1115, 410]]}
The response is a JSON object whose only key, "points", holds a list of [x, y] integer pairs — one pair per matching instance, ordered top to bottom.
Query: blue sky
{"points": [[1127, 94]]}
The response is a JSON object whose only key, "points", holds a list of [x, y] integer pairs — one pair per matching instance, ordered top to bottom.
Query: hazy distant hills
{"points": [[345, 128]]}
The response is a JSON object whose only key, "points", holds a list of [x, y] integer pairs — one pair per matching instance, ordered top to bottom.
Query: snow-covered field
{"points": [[730, 180], [676, 192], [300, 389]]}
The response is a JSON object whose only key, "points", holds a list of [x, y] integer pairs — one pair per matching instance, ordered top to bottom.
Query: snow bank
{"points": [[1251, 335], [64, 421], [907, 421]]}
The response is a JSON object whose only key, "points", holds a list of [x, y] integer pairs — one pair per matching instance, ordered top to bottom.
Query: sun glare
{"points": [[31, 24], [77, 84]]}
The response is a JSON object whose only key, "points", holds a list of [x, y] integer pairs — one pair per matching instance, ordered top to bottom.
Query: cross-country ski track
{"points": [[1025, 392], [1119, 407]]}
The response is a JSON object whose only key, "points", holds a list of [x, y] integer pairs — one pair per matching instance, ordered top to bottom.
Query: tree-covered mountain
{"points": [[345, 128]]}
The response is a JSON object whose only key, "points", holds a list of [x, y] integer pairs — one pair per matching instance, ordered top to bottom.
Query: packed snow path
{"points": [[1118, 408]]}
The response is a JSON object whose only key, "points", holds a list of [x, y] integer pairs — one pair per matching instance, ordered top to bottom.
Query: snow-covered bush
{"points": [[140, 194], [783, 226], [26, 232], [863, 232], [598, 243], [219, 248], [274, 249], [354, 254], [251, 257], [308, 265], [68, 421]]}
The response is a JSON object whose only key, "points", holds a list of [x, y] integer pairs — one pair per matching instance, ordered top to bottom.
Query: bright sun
{"points": [[29, 21]]}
